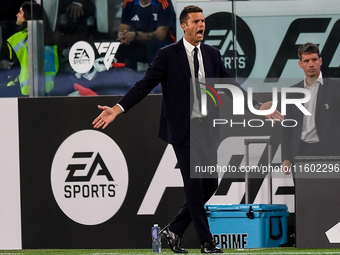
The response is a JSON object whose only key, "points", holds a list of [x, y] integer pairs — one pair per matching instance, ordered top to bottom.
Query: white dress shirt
{"points": [[189, 49], [309, 134]]}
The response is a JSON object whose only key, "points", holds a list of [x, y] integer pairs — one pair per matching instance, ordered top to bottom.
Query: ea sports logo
{"points": [[220, 34], [81, 57], [89, 177]]}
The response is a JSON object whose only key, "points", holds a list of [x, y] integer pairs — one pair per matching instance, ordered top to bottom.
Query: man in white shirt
{"points": [[317, 134]]}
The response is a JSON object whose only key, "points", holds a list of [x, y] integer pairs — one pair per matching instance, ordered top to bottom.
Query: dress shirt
{"points": [[189, 49], [121, 107], [309, 134]]}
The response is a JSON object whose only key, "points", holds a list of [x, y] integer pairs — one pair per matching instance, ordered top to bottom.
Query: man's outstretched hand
{"points": [[276, 115], [107, 116]]}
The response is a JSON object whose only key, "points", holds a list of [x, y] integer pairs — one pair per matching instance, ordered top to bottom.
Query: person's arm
{"points": [[159, 34], [122, 35], [126, 36], [6, 57], [140, 90], [276, 115], [107, 116], [286, 140]]}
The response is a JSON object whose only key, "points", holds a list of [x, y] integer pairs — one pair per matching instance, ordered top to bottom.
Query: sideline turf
{"points": [[278, 251]]}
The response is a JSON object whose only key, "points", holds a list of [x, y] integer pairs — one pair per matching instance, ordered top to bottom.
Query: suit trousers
{"points": [[310, 149], [195, 150]]}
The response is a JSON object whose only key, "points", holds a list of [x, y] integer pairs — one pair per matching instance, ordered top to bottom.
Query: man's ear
{"points": [[184, 26]]}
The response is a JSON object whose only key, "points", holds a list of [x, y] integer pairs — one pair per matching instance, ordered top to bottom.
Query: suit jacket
{"points": [[171, 68], [327, 121]]}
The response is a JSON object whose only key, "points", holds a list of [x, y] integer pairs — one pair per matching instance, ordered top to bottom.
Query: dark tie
{"points": [[196, 65]]}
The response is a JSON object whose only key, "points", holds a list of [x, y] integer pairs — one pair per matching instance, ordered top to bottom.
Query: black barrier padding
{"points": [[44, 123], [316, 206]]}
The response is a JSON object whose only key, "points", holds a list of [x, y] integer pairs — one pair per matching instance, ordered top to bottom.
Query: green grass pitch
{"points": [[278, 251]]}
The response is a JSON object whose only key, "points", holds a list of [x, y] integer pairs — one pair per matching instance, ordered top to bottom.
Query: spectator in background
{"points": [[8, 10], [73, 19], [146, 26], [18, 49], [317, 134]]}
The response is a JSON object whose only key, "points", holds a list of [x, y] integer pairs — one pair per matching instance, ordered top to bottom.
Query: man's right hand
{"points": [[122, 37], [126, 37], [107, 116], [286, 165]]}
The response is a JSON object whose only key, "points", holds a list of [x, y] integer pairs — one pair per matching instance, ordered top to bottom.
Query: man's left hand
{"points": [[276, 115]]}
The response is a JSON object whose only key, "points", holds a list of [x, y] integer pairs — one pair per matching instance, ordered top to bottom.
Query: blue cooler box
{"points": [[248, 225]]}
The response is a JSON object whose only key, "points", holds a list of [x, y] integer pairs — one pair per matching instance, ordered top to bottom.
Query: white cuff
{"points": [[121, 107]]}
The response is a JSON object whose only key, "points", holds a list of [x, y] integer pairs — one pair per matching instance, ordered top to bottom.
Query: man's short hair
{"points": [[184, 16], [308, 48]]}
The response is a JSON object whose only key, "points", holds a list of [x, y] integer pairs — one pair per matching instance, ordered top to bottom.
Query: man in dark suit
{"points": [[182, 123], [317, 134]]}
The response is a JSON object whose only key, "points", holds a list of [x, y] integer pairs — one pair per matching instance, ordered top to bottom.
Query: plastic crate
{"points": [[248, 225]]}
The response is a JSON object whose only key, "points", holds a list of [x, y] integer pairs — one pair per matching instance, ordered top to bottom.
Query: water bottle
{"points": [[156, 239]]}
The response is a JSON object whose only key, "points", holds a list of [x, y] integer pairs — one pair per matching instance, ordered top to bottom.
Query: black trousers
{"points": [[310, 149], [195, 150]]}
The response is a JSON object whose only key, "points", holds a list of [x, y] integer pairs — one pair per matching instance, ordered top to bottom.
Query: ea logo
{"points": [[220, 34], [81, 57], [89, 177]]}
